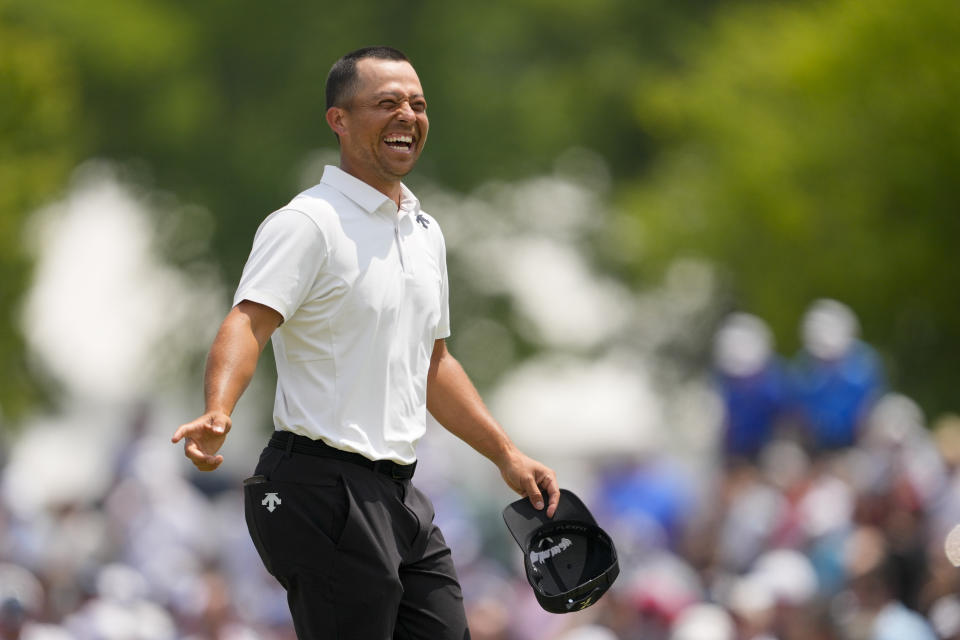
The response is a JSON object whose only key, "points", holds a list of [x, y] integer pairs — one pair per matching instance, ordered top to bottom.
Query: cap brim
{"points": [[523, 519]]}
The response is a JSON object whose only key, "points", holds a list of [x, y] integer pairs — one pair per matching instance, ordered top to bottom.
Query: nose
{"points": [[405, 112]]}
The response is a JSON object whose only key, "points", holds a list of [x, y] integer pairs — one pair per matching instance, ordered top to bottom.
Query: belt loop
{"points": [[288, 449]]}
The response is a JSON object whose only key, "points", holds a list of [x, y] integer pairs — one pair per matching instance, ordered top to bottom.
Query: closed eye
{"points": [[418, 105]]}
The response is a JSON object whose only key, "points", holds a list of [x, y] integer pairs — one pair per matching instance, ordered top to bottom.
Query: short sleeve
{"points": [[288, 253], [443, 326]]}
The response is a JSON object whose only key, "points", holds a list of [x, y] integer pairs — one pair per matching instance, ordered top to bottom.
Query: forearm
{"points": [[232, 361], [230, 367], [455, 403]]}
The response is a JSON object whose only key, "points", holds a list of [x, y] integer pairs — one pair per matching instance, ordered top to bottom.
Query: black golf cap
{"points": [[570, 561]]}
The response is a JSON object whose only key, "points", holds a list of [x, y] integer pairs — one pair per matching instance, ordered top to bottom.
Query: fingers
{"points": [[216, 423], [189, 429], [181, 431], [202, 437], [201, 460], [211, 466], [531, 479], [545, 480], [550, 485], [532, 491]]}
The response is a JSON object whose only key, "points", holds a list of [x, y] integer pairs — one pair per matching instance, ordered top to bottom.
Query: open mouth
{"points": [[400, 142]]}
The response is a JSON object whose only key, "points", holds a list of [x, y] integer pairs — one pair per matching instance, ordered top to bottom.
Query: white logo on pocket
{"points": [[270, 501]]}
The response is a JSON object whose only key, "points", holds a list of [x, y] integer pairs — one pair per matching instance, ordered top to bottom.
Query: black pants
{"points": [[355, 548]]}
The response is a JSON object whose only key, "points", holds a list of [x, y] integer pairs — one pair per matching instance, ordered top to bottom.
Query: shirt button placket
{"points": [[396, 234]]}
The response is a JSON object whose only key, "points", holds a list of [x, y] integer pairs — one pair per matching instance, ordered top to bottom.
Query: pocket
{"points": [[295, 524], [252, 528]]}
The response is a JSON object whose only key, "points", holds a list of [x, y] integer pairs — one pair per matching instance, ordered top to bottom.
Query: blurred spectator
{"points": [[836, 378], [750, 379], [897, 433], [909, 476], [649, 501], [945, 505], [749, 512], [825, 513], [781, 545], [788, 576], [791, 580], [658, 589], [21, 598], [21, 606], [753, 606], [121, 610], [875, 613], [945, 617], [488, 619], [703, 622], [588, 632]]}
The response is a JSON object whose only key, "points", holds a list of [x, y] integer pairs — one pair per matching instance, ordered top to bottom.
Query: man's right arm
{"points": [[230, 366]]}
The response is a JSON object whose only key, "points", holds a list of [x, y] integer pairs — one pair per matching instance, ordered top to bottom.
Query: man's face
{"points": [[383, 127]]}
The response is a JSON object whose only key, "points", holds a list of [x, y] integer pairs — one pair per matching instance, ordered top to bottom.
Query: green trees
{"points": [[38, 129], [807, 148], [813, 150]]}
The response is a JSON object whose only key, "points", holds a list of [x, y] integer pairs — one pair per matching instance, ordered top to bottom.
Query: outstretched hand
{"points": [[202, 438], [530, 479]]}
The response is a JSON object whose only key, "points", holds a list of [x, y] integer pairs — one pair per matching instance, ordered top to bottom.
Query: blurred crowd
{"points": [[822, 516], [825, 518], [160, 554]]}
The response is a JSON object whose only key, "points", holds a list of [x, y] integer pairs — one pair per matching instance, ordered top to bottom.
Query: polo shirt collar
{"points": [[366, 197], [409, 203]]}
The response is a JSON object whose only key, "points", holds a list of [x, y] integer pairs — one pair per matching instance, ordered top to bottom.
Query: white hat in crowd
{"points": [[703, 622]]}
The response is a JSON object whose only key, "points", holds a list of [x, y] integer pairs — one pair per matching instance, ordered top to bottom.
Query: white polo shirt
{"points": [[362, 289]]}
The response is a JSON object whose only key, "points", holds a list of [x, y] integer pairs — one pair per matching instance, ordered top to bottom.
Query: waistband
{"points": [[288, 441]]}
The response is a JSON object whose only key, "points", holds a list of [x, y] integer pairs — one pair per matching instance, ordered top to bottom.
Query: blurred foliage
{"points": [[222, 102], [38, 134], [806, 146], [815, 151]]}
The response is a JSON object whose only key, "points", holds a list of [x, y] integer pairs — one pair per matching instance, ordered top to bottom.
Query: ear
{"points": [[336, 119]]}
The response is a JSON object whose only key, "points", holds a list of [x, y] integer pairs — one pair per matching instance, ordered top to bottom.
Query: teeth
{"points": [[407, 139]]}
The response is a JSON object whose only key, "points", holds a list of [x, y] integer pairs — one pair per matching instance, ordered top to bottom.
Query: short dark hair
{"points": [[342, 79]]}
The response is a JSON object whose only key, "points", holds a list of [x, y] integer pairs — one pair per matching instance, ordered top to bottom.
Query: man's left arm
{"points": [[455, 403]]}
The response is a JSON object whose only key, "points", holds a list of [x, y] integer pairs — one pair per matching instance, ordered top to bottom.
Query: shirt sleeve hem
{"points": [[264, 298]]}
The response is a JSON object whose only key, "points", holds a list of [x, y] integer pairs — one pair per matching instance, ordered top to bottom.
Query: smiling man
{"points": [[350, 282]]}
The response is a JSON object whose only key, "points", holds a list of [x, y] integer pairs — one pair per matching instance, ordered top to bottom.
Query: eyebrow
{"points": [[397, 94]]}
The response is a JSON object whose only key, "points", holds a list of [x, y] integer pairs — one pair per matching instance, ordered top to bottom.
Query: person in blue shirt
{"points": [[836, 377], [751, 381]]}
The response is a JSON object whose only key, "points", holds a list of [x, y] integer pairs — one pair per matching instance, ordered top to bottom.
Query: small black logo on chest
{"points": [[422, 219]]}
